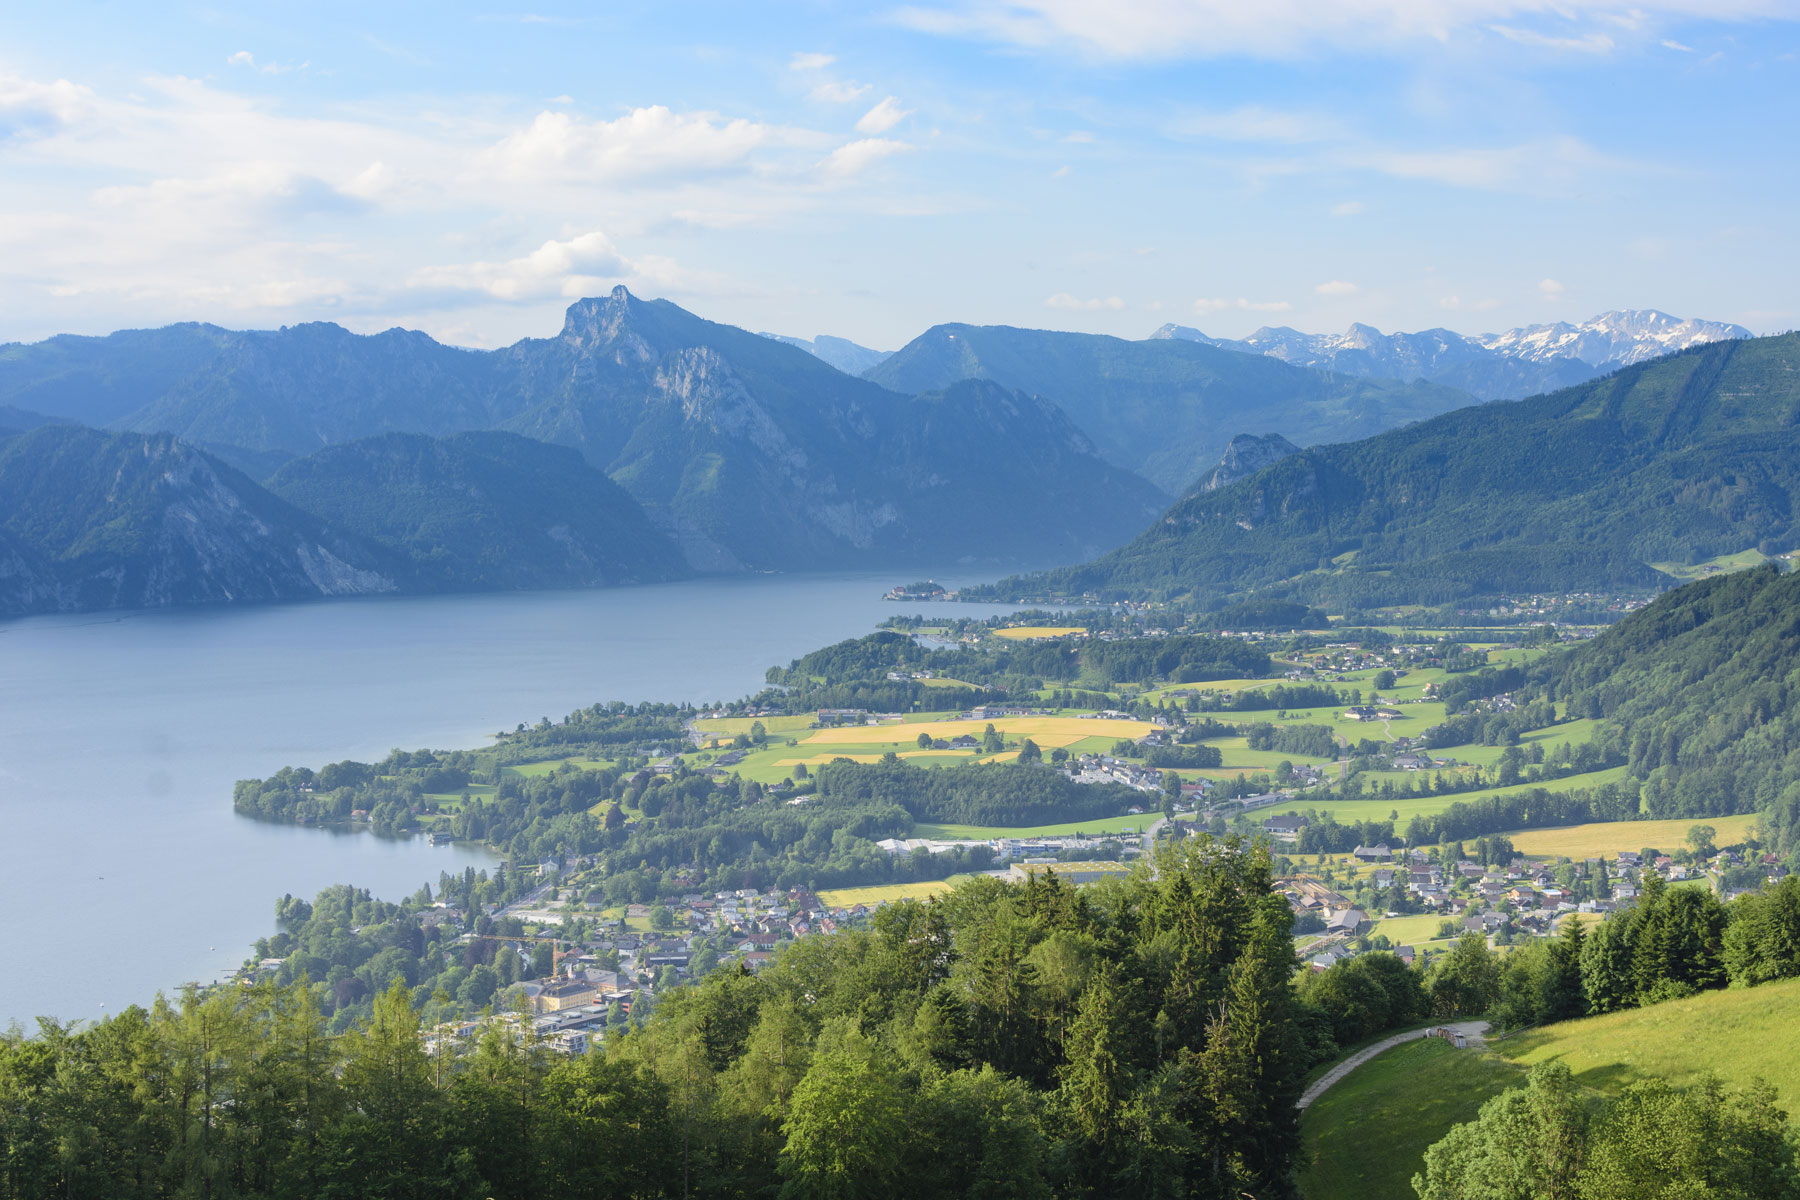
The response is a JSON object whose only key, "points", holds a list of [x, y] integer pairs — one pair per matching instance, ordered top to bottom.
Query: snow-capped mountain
{"points": [[1614, 339], [1493, 366]]}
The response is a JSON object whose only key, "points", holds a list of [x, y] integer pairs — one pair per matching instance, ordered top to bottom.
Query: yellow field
{"points": [[1032, 633], [1045, 731], [1610, 837], [845, 897]]}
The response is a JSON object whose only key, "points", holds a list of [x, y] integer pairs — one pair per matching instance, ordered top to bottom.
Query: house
{"points": [[966, 741], [1286, 827], [1376, 853], [1347, 920]]}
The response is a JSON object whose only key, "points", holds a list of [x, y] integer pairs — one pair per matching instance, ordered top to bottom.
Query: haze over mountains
{"points": [[1492, 366], [642, 442], [1675, 460]]}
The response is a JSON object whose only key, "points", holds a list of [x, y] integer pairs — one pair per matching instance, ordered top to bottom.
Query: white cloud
{"points": [[1169, 29], [1588, 43], [1671, 44], [243, 58], [811, 62], [838, 91], [32, 109], [883, 117], [1079, 137], [645, 142], [850, 158], [1532, 166], [1061, 172], [1348, 208], [569, 269], [1336, 287], [1550, 289], [1064, 302], [1204, 306]]}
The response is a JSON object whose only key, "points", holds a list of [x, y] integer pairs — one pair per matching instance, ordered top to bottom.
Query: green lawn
{"points": [[730, 727], [1364, 1139]]}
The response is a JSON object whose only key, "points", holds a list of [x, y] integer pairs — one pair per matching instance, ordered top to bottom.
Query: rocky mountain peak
{"points": [[1246, 455]]}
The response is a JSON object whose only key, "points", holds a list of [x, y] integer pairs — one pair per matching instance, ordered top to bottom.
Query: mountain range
{"points": [[1492, 366], [1166, 409], [639, 423], [640, 442], [1672, 461]]}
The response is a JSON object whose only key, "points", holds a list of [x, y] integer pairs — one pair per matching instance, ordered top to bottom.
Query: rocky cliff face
{"points": [[1247, 455], [96, 520]]}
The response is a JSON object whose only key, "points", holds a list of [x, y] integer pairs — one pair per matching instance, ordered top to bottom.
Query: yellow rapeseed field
{"points": [[1031, 633]]}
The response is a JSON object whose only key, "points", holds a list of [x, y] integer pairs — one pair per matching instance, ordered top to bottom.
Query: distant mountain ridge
{"points": [[841, 353], [1495, 366], [1166, 409], [751, 453], [1675, 460], [92, 520]]}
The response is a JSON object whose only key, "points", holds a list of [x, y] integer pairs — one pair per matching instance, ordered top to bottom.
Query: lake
{"points": [[123, 869]]}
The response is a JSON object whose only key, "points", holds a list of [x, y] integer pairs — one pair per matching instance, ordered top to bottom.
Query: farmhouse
{"points": [[1286, 826]]}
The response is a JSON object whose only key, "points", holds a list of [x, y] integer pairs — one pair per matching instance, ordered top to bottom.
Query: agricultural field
{"points": [[1032, 633], [730, 727], [1047, 732], [550, 766], [1132, 822], [1607, 838], [888, 893], [1413, 930], [1374, 1126]]}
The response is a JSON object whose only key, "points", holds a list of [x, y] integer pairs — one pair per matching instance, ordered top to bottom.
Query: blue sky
{"points": [[868, 170]]}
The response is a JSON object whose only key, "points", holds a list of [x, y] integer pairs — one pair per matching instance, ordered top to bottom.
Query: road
{"points": [[1150, 835], [1470, 1029]]}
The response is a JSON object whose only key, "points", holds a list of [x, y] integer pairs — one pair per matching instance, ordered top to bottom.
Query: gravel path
{"points": [[1472, 1030]]}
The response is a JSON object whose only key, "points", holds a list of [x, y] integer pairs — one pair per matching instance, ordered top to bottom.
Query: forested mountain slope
{"points": [[1165, 408], [752, 452], [1675, 460], [482, 510], [96, 520], [1701, 691]]}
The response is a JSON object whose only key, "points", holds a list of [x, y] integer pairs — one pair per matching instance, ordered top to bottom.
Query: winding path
{"points": [[1472, 1030]]}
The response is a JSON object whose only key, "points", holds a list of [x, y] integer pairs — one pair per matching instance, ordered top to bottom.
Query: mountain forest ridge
{"points": [[696, 446], [1673, 461]]}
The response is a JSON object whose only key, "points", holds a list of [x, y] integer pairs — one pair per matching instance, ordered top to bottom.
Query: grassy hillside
{"points": [[1676, 460], [1739, 1035], [1364, 1138]]}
